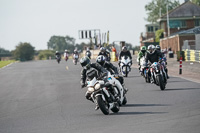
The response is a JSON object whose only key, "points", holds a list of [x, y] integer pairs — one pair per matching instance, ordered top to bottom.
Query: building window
{"points": [[197, 22], [177, 24], [156, 28], [150, 29]]}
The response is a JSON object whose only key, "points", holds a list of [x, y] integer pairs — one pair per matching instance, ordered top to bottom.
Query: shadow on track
{"points": [[179, 89], [144, 105], [137, 113]]}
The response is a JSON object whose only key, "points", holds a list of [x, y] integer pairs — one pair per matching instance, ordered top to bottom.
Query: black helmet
{"points": [[158, 47], [101, 60], [85, 62]]}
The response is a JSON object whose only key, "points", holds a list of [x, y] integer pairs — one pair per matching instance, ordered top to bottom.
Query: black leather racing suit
{"points": [[106, 54], [95, 69]]}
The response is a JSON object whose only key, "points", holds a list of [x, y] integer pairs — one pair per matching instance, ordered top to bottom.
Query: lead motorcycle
{"points": [[125, 65], [159, 75], [101, 95]]}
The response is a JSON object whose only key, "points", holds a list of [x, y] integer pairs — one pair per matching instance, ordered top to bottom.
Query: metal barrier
{"points": [[192, 55]]}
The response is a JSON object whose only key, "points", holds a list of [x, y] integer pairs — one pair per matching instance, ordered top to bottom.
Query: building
{"points": [[182, 20], [149, 37]]}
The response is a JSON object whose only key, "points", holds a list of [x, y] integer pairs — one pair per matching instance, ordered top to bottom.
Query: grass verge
{"points": [[5, 63]]}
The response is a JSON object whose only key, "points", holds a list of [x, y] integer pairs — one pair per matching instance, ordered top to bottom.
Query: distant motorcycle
{"points": [[58, 59], [75, 60], [125, 65], [101, 95]]}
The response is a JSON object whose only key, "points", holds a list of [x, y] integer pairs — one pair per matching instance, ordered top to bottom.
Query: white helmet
{"points": [[102, 49], [151, 49], [66, 50], [56, 51]]}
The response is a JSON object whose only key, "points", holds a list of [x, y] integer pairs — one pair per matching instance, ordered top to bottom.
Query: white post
{"points": [[168, 21]]}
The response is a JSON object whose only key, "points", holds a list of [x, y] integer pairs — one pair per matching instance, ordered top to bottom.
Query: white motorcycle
{"points": [[75, 59], [125, 65], [118, 89], [101, 96]]}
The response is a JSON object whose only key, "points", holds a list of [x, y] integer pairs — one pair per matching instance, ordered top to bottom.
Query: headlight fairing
{"points": [[97, 86], [90, 89]]}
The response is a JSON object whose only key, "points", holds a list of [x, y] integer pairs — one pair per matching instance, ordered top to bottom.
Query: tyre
{"points": [[126, 75], [147, 79], [161, 82], [124, 101], [102, 105], [116, 108]]}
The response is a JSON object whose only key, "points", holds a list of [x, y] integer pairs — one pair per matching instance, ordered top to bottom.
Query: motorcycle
{"points": [[58, 59], [75, 59], [125, 65], [144, 70], [158, 75], [119, 91], [101, 95]]}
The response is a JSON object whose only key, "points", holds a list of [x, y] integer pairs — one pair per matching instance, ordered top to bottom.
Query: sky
{"points": [[35, 21]]}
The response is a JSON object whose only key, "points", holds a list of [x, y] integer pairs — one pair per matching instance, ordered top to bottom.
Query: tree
{"points": [[196, 2], [153, 8], [159, 35], [60, 43], [24, 51]]}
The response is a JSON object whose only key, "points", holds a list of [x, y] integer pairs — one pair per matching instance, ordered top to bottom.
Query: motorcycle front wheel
{"points": [[161, 82], [102, 105]]}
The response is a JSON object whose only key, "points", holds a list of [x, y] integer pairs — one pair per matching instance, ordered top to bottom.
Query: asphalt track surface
{"points": [[45, 97]]}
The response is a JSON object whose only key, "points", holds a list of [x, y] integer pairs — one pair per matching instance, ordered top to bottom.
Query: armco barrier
{"points": [[192, 55]]}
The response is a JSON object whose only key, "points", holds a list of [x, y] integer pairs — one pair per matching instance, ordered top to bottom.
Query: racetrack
{"points": [[45, 97]]}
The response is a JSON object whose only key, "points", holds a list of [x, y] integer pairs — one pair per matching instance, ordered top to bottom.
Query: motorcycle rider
{"points": [[124, 52], [75, 53], [88, 53], [105, 53], [66, 54], [58, 55], [140, 55], [152, 56], [164, 58], [111, 68], [87, 71]]}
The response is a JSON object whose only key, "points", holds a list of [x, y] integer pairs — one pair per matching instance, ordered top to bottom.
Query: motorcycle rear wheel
{"points": [[116, 108]]}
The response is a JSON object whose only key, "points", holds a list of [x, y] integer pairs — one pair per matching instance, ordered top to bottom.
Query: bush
{"points": [[179, 53], [45, 54]]}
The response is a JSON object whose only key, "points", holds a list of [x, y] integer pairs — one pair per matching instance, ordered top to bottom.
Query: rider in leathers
{"points": [[124, 52], [152, 56], [164, 58], [111, 68], [87, 71]]}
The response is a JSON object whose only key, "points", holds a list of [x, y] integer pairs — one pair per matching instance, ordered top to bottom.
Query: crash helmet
{"points": [[158, 47], [124, 48], [102, 49], [143, 49], [151, 49], [66, 50], [56, 51], [101, 60], [85, 62]]}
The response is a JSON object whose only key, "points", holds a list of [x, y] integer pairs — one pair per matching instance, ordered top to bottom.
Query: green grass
{"points": [[4, 63]]}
